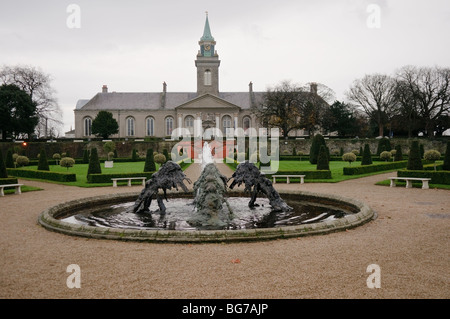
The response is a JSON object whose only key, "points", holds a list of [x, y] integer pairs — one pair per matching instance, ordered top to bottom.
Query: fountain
{"points": [[214, 214]]}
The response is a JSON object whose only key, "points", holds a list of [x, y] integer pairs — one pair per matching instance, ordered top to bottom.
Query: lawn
{"points": [[81, 172]]}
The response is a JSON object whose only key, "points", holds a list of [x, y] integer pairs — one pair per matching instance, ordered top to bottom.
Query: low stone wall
{"points": [[48, 219]]}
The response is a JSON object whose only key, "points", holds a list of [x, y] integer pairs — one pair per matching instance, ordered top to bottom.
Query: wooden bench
{"points": [[302, 178], [114, 180], [409, 181], [16, 186]]}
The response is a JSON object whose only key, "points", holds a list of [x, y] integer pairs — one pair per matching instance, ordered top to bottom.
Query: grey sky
{"points": [[133, 46]]}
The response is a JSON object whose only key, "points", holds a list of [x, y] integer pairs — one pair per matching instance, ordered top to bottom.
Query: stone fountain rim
{"points": [[48, 221]]}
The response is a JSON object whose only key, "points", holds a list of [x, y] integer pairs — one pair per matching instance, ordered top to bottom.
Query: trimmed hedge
{"points": [[364, 169], [322, 174], [51, 176], [438, 177], [106, 178], [8, 180]]}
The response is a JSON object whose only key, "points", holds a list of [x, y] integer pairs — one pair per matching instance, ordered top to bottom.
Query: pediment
{"points": [[208, 101]]}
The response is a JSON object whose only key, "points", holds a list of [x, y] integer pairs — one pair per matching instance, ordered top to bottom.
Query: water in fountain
{"points": [[206, 155]]}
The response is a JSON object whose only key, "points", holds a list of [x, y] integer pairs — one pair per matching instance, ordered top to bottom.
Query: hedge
{"points": [[364, 169], [317, 174], [51, 176], [438, 177], [106, 178], [9, 180]]}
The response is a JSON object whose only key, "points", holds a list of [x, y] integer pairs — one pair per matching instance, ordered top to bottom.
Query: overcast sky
{"points": [[135, 45]]}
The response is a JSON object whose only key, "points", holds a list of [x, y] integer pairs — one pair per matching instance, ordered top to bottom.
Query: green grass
{"points": [[24, 189]]}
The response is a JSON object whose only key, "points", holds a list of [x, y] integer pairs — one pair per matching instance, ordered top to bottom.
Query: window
{"points": [[208, 78], [226, 123], [246, 123], [189, 124], [87, 126], [130, 126], [150, 126], [169, 126]]}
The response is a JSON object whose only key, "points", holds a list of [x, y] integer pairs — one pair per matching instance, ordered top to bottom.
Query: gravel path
{"points": [[409, 241]]}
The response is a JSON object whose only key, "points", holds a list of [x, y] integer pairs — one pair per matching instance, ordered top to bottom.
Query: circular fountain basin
{"points": [[89, 217]]}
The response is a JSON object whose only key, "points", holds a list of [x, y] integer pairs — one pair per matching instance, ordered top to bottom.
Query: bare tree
{"points": [[37, 84], [428, 89], [375, 94]]}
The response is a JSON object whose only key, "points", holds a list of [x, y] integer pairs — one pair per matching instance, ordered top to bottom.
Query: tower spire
{"points": [[207, 31]]}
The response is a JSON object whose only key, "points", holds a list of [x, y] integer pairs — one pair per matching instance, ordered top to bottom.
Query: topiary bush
{"points": [[317, 141], [384, 144], [398, 153], [385, 155], [86, 156], [134, 156], [366, 156], [432, 156], [56, 157], [349, 157], [159, 158], [322, 159], [414, 159], [22, 161], [9, 162], [67, 162], [149, 162], [43, 163], [94, 163], [446, 165], [3, 172]]}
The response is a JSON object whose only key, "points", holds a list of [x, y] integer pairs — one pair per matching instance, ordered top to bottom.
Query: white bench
{"points": [[302, 178], [128, 179], [409, 181], [16, 186]]}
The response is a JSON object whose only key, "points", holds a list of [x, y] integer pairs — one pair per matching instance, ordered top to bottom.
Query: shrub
{"points": [[317, 141], [384, 144], [109, 146], [422, 150], [294, 151], [356, 152], [398, 153], [166, 154], [385, 155], [86, 156], [110, 156], [134, 156], [366, 156], [432, 156], [56, 157], [349, 157], [159, 158], [322, 159], [414, 159], [22, 160], [67, 162], [149, 162], [9, 163], [94, 163], [43, 164], [446, 165], [365, 169], [3, 173], [326, 174], [51, 176], [438, 177], [9, 180]]}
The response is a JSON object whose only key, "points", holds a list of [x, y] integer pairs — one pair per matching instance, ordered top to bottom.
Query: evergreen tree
{"points": [[105, 124], [317, 141], [384, 144], [422, 151], [398, 154], [86, 156], [134, 156], [366, 156], [322, 159], [415, 160], [149, 162], [9, 163], [43, 163], [94, 163], [446, 166], [3, 172]]}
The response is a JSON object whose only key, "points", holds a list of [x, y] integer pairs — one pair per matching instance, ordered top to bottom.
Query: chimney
{"points": [[164, 87], [313, 88], [104, 89], [163, 95], [252, 95]]}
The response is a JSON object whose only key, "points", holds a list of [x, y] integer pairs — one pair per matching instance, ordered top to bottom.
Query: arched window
{"points": [[208, 78], [189, 123], [226, 123], [246, 123], [87, 126], [130, 126], [150, 126], [169, 126]]}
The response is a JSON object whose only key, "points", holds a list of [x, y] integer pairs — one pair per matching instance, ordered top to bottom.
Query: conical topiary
{"points": [[317, 141], [398, 154], [86, 156], [366, 156], [322, 159], [414, 160], [149, 162], [9, 163], [43, 163], [94, 163], [446, 166], [3, 172]]}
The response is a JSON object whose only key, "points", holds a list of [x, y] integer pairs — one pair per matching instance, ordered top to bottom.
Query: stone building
{"points": [[157, 114]]}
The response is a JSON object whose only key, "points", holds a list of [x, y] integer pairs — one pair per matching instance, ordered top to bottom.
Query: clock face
{"points": [[207, 47]]}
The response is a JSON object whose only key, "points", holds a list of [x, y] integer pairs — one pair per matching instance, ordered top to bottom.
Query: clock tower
{"points": [[207, 63]]}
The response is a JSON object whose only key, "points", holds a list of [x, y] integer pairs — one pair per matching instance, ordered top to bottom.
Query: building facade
{"points": [[158, 114]]}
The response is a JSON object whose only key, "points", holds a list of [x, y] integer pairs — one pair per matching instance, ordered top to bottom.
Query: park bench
{"points": [[302, 178], [114, 180], [409, 181], [16, 186]]}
